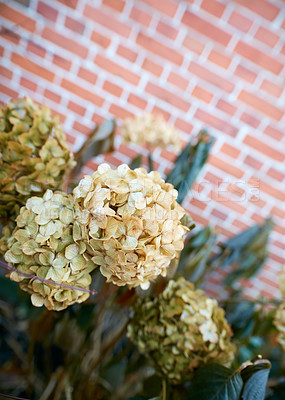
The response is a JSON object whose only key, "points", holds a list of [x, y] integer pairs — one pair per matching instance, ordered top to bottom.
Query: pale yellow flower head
{"points": [[152, 130], [34, 155], [133, 223], [50, 244], [180, 330]]}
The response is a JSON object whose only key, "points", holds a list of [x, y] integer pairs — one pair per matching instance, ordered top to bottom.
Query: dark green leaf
{"points": [[136, 162], [189, 163], [255, 380], [215, 382]]}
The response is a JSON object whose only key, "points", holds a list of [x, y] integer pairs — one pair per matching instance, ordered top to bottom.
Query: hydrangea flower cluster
{"points": [[152, 130], [34, 155], [132, 221], [50, 244], [180, 330]]}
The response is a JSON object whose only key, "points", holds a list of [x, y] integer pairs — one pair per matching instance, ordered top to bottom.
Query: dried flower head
{"points": [[152, 130], [33, 155], [133, 222], [50, 244], [180, 330]]}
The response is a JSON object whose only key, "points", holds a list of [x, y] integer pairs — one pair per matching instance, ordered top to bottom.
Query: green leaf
{"points": [[99, 141], [136, 162], [189, 163], [194, 259], [255, 380], [215, 382]]}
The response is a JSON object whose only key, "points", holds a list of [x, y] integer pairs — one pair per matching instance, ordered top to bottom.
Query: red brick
{"points": [[69, 3], [117, 5], [167, 7], [213, 7], [263, 8], [47, 11], [140, 16], [18, 18], [107, 21], [240, 22], [283, 24], [74, 25], [206, 28], [167, 30], [10, 35], [267, 37], [101, 40], [62, 41], [193, 45], [36, 49], [159, 49], [1, 51], [282, 51], [127, 53], [258, 57], [220, 59], [61, 62], [32, 67], [152, 67], [116, 69], [5, 72], [245, 74], [87, 75], [211, 77], [177, 80], [28, 84], [112, 88], [271, 88], [9, 92], [81, 92], [202, 94], [52, 96], [167, 96], [137, 101], [261, 105], [226, 107], [76, 108], [159, 111], [119, 112], [250, 120], [216, 123], [183, 125], [81, 128], [273, 132], [264, 148], [123, 149], [230, 150], [252, 162], [225, 166], [277, 175], [214, 179], [236, 190], [272, 191], [256, 201], [226, 202], [198, 203], [278, 212], [218, 214], [198, 219], [239, 224], [279, 229], [279, 244]]}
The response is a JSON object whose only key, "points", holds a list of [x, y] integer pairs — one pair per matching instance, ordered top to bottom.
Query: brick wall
{"points": [[217, 64]]}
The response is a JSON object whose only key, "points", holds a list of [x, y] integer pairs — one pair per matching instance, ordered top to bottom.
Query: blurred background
{"points": [[208, 64]]}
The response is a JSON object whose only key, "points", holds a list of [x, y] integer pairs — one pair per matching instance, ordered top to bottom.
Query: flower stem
{"points": [[150, 163], [164, 390]]}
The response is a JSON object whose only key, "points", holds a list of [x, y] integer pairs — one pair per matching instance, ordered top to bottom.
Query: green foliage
{"points": [[136, 162], [189, 163], [245, 251], [194, 259], [254, 380]]}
